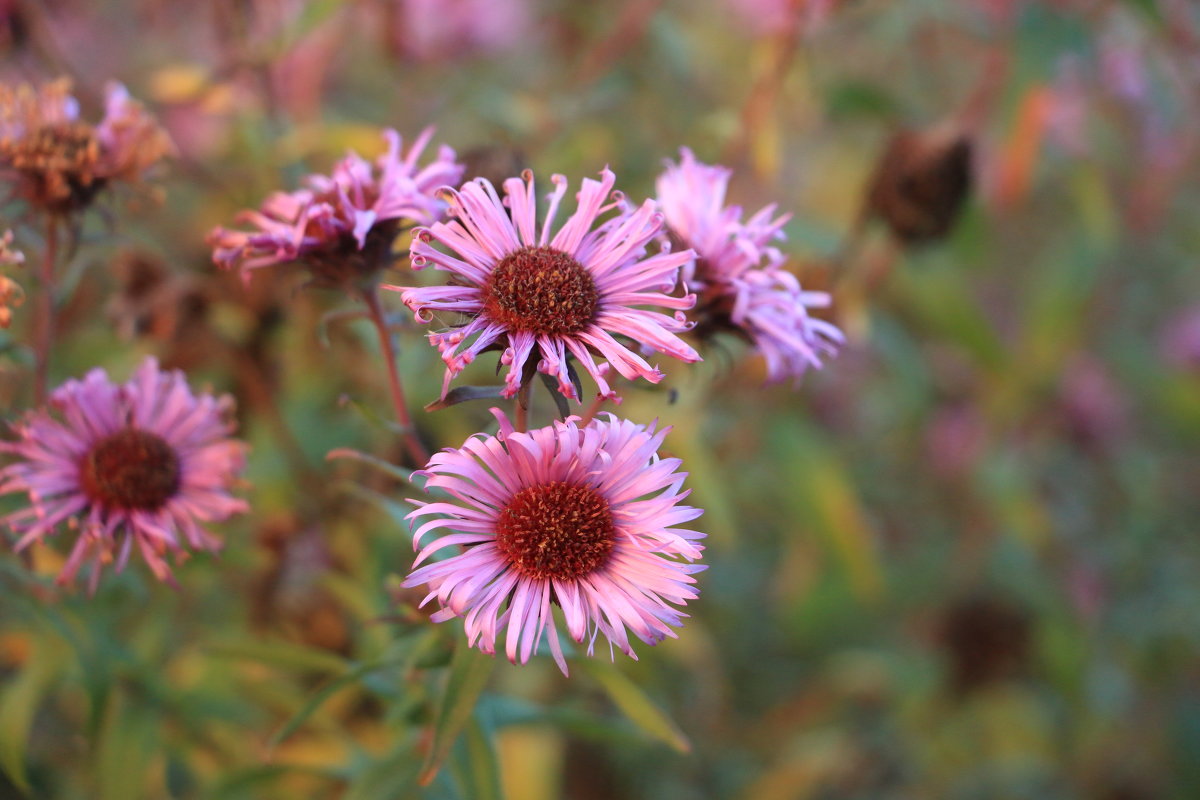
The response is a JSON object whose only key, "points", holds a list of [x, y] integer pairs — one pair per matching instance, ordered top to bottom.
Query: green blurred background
{"points": [[960, 562]]}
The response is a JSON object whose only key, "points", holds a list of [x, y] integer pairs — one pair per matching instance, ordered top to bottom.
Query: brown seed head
{"points": [[921, 183], [541, 290], [556, 530]]}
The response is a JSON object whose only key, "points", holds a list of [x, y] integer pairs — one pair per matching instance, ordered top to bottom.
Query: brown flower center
{"points": [[59, 163], [541, 290], [130, 469], [556, 530]]}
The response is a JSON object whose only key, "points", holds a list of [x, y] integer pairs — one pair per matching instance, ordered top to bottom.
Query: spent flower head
{"points": [[61, 162], [342, 226], [738, 274], [546, 298], [135, 467], [582, 517]]}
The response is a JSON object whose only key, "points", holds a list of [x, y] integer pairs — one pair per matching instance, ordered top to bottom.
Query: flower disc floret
{"points": [[542, 291], [130, 469], [582, 517], [555, 530]]}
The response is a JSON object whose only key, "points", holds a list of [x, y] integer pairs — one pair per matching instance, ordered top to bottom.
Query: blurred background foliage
{"points": [[960, 562]]}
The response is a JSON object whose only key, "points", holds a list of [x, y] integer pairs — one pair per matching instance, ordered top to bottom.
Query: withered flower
{"points": [[61, 163], [921, 183], [987, 638]]}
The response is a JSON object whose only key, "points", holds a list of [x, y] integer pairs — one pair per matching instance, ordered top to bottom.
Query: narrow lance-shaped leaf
{"points": [[464, 394], [469, 673], [634, 703]]}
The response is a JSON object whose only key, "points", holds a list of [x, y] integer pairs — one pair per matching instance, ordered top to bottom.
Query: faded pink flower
{"points": [[766, 17], [431, 30], [61, 162], [342, 226], [738, 274], [545, 299], [1179, 341], [136, 466], [579, 517]]}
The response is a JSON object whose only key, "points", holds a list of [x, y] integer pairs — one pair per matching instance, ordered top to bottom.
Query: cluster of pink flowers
{"points": [[135, 467], [583, 514]]}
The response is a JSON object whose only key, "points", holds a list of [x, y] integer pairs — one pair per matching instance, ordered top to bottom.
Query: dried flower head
{"points": [[62, 163], [921, 183], [342, 226], [738, 274], [547, 299], [141, 466], [579, 517], [986, 637]]}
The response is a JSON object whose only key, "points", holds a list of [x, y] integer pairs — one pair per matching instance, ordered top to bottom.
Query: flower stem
{"points": [[44, 335], [399, 404], [521, 408], [592, 410]]}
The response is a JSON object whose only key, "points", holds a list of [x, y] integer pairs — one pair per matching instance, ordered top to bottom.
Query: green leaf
{"points": [[465, 394], [560, 402], [399, 473], [387, 505], [280, 654], [469, 673], [318, 698], [18, 704], [636, 705], [479, 771]]}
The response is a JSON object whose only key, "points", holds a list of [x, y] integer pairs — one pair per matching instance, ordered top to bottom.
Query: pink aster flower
{"points": [[62, 162], [342, 226], [739, 275], [563, 294], [138, 466], [579, 517]]}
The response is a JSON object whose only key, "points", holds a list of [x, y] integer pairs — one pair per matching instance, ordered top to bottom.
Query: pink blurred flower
{"points": [[780, 16], [429, 30], [62, 162], [342, 226], [738, 275], [564, 295], [1179, 343], [1094, 407], [141, 465], [579, 517]]}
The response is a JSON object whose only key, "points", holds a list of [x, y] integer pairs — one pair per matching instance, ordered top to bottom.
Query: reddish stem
{"points": [[399, 403], [521, 408], [592, 410]]}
